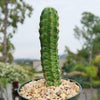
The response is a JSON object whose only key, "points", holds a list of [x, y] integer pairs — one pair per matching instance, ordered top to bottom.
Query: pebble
{"points": [[58, 93]]}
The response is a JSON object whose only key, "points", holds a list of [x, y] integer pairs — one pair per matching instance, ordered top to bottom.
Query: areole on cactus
{"points": [[49, 52]]}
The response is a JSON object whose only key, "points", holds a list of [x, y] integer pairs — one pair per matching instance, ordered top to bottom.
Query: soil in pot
{"points": [[36, 90]]}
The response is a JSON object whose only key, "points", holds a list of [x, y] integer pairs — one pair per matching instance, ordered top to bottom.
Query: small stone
{"points": [[67, 88], [32, 91], [47, 93], [58, 93], [63, 96], [48, 98]]}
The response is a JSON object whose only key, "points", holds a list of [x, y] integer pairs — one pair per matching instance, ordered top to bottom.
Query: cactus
{"points": [[49, 52]]}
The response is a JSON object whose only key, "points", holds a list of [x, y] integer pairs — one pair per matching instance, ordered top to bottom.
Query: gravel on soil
{"points": [[36, 90]]}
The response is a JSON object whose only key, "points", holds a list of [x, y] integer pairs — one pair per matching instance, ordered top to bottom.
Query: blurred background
{"points": [[78, 45]]}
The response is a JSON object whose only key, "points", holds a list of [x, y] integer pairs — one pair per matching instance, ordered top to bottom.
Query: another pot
{"points": [[76, 97]]}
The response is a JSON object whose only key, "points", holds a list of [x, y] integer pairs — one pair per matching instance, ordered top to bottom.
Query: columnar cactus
{"points": [[49, 52]]}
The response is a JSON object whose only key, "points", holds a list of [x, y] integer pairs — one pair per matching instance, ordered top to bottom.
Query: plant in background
{"points": [[12, 12], [87, 34], [49, 52], [96, 62], [89, 71], [14, 72], [3, 88]]}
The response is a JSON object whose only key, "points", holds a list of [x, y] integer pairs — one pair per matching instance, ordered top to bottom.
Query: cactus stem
{"points": [[49, 52]]}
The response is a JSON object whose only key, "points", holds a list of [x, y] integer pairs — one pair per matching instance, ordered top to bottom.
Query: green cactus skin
{"points": [[49, 52]]}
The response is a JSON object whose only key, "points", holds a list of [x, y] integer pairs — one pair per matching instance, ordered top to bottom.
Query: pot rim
{"points": [[42, 78]]}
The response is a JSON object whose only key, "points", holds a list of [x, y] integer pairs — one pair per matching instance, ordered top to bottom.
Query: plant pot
{"points": [[76, 97]]}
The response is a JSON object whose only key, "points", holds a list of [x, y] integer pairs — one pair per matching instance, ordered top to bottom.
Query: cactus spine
{"points": [[49, 52]]}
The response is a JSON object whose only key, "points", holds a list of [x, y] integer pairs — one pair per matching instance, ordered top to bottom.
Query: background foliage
{"points": [[17, 11], [84, 66], [14, 73]]}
